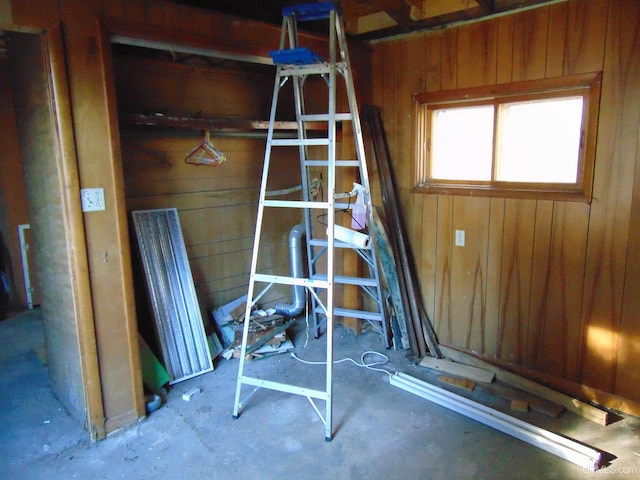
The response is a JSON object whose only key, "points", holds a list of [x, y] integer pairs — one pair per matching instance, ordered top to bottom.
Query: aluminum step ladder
{"points": [[327, 221]]}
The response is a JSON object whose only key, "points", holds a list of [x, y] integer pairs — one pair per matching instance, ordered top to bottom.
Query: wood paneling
{"points": [[625, 24], [555, 39], [530, 44], [476, 59], [613, 185], [217, 205], [13, 208], [547, 285]]}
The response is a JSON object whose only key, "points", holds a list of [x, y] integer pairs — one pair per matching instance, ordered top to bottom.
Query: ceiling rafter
{"points": [[399, 11]]}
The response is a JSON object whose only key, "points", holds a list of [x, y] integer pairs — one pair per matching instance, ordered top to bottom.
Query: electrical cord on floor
{"points": [[362, 364]]}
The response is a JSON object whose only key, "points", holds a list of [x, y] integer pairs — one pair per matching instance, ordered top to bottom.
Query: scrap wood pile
{"points": [[267, 331]]}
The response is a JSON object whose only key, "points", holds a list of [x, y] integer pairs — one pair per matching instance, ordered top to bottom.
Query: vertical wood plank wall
{"points": [[12, 193], [217, 205], [546, 285]]}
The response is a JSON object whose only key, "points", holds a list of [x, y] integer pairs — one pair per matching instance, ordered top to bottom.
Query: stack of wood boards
{"points": [[421, 334], [523, 394]]}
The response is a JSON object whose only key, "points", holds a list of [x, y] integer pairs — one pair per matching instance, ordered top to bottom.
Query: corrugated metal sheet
{"points": [[177, 315]]}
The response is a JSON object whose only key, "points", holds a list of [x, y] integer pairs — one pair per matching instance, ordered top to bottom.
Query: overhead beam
{"points": [[399, 11], [479, 11]]}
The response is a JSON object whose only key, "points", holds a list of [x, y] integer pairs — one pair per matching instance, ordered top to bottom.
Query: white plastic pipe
{"points": [[24, 247], [558, 445]]}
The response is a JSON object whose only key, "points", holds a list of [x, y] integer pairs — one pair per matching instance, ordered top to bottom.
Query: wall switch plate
{"points": [[92, 199], [459, 238]]}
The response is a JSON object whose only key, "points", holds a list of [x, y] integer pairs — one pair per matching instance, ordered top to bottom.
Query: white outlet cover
{"points": [[92, 199], [459, 238]]}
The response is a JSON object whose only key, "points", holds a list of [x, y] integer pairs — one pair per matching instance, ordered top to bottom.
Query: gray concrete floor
{"points": [[380, 431]]}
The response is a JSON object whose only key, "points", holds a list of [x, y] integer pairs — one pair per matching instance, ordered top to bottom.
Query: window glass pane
{"points": [[539, 141], [462, 143]]}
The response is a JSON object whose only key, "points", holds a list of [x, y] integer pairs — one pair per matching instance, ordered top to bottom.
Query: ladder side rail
{"points": [[298, 84], [353, 103], [360, 151], [331, 223], [256, 240]]}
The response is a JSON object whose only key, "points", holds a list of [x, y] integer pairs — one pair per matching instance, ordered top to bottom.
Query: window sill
{"points": [[568, 195]]}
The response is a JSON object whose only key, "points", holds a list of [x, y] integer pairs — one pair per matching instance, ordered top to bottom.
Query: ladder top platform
{"points": [[309, 11], [295, 56]]}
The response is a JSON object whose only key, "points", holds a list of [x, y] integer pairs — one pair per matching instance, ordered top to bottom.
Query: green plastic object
{"points": [[154, 375]]}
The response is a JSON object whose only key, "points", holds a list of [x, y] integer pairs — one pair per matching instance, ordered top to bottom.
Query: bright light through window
{"points": [[529, 139], [539, 141], [462, 143]]}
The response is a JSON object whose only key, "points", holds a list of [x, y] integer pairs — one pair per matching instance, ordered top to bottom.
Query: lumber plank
{"points": [[476, 374], [463, 383], [535, 403], [573, 404], [519, 405]]}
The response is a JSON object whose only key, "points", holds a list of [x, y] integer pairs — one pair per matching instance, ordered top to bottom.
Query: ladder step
{"points": [[309, 11], [295, 56], [304, 70], [324, 117], [296, 142], [338, 163], [295, 204], [338, 244], [284, 280], [343, 280], [347, 312], [283, 387]]}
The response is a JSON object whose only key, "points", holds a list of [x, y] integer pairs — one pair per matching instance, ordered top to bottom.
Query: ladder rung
{"points": [[302, 70], [324, 117], [294, 142], [338, 163], [295, 204], [338, 244], [284, 280], [343, 280], [347, 312], [283, 387]]}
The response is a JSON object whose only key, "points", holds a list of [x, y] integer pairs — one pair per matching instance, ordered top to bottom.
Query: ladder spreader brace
{"points": [[296, 63]]}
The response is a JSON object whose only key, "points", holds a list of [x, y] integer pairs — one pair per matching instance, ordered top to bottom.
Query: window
{"points": [[531, 139]]}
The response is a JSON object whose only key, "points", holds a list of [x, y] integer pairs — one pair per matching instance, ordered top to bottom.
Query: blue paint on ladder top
{"points": [[309, 11], [295, 56]]}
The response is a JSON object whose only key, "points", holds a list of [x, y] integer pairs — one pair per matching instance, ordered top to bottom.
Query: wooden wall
{"points": [[217, 205], [13, 208], [545, 285]]}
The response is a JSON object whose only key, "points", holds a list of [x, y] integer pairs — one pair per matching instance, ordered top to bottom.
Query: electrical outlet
{"points": [[92, 199], [459, 238]]}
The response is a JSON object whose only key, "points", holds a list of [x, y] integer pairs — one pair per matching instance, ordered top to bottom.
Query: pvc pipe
{"points": [[25, 264], [558, 445]]}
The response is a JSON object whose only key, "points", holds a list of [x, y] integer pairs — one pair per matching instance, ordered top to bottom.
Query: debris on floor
{"points": [[224, 318], [267, 330], [267, 335], [187, 396]]}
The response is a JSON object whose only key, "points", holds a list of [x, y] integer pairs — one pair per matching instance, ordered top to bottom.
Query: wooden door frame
{"points": [[79, 267]]}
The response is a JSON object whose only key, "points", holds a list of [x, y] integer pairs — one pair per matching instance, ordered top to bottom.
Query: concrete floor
{"points": [[380, 431]]}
